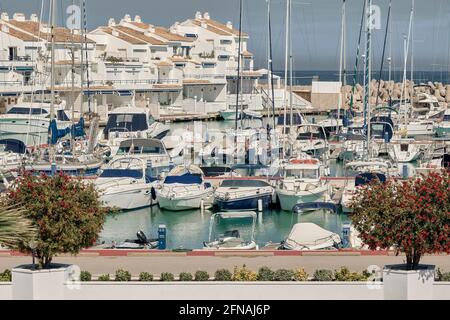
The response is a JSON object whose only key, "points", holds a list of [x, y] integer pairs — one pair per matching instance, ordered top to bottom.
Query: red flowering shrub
{"points": [[67, 213], [413, 216]]}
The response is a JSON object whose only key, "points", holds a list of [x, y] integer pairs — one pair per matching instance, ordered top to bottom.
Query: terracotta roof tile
{"points": [[140, 35], [123, 36]]}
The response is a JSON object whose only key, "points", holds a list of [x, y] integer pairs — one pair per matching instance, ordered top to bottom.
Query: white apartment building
{"points": [[217, 44], [190, 67]]}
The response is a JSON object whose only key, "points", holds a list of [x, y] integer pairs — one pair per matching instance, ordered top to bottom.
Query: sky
{"points": [[316, 26]]}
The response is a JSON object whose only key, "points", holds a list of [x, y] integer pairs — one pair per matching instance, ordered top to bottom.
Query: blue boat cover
{"points": [[296, 119], [78, 129], [55, 133], [13, 145], [122, 173], [367, 177], [187, 178], [244, 183]]}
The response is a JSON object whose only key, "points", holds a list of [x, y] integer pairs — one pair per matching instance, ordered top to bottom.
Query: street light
{"points": [[33, 245]]}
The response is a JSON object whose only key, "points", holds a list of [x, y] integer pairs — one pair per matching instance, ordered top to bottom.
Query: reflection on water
{"points": [[188, 229]]}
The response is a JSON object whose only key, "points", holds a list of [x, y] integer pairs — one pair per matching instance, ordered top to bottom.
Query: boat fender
{"points": [[153, 193]]}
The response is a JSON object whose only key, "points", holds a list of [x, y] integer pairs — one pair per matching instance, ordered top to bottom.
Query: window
{"points": [[191, 35], [225, 41], [404, 147]]}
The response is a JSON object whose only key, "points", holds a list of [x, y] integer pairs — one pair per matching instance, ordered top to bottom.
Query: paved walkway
{"points": [[171, 263]]}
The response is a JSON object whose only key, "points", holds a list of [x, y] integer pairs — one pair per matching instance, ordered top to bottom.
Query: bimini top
{"points": [[296, 119], [142, 146], [121, 173], [367, 177], [187, 178], [244, 184]]}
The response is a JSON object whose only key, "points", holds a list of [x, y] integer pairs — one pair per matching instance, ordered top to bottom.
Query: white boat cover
{"points": [[309, 236]]}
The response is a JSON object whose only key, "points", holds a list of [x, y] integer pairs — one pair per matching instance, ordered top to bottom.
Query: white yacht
{"points": [[30, 122], [129, 123], [443, 128], [404, 150], [302, 183], [124, 185], [184, 188]]}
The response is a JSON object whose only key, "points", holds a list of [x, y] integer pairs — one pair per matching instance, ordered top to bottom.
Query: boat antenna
{"points": [[342, 65], [272, 90]]}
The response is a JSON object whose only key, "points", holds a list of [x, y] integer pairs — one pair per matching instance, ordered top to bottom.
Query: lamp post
{"points": [[33, 246]]}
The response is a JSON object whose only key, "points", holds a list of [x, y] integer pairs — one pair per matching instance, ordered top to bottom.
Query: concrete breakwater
{"points": [[395, 91]]}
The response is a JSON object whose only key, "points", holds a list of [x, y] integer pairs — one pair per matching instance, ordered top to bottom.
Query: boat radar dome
{"points": [[198, 15], [206, 16], [137, 19], [111, 22], [229, 25]]}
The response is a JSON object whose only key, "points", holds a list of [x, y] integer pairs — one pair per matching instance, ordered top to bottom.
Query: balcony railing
{"points": [[204, 76]]}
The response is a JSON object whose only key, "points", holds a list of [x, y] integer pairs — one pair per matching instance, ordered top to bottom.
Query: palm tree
{"points": [[15, 227]]}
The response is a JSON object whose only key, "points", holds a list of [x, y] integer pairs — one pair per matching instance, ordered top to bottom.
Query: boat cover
{"points": [[122, 173], [367, 177], [187, 178], [244, 183], [309, 236]]}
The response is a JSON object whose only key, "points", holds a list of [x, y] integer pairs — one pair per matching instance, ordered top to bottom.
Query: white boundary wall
{"points": [[225, 290]]}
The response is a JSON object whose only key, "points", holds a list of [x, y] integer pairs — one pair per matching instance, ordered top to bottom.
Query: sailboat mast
{"points": [[412, 48], [52, 59], [286, 59], [81, 61], [238, 66], [290, 68], [368, 69], [342, 75], [272, 90]]}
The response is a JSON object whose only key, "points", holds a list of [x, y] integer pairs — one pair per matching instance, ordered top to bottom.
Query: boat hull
{"points": [[229, 115], [137, 197], [288, 199], [184, 203], [248, 203]]}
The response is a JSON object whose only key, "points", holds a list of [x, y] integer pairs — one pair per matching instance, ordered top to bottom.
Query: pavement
{"points": [[175, 263]]}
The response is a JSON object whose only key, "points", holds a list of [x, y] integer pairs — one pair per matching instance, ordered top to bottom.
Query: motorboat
{"points": [[30, 122], [129, 122], [443, 128], [311, 139], [404, 150], [151, 151], [302, 183], [124, 185], [184, 188], [243, 194], [310, 236], [231, 239], [142, 242]]}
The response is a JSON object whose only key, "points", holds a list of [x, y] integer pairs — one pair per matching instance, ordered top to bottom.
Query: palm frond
{"points": [[15, 227]]}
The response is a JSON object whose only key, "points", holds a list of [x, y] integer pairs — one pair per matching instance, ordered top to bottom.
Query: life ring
{"points": [[78, 145]]}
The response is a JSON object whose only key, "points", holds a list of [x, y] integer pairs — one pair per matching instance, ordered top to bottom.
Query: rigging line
{"points": [[384, 50]]}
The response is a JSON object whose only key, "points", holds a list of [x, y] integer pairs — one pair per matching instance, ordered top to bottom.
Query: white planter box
{"points": [[29, 284], [402, 284]]}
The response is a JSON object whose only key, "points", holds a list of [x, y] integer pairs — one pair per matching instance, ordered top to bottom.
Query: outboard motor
{"points": [[142, 237]]}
